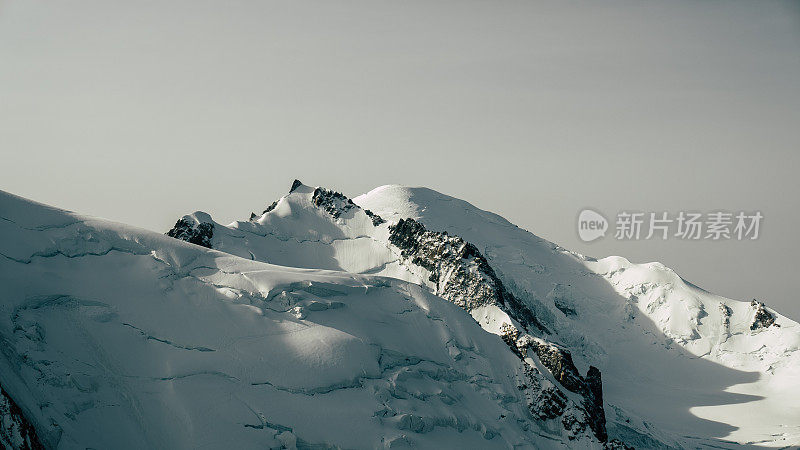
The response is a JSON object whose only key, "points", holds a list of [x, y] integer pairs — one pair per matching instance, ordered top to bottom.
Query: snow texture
{"points": [[402, 317]]}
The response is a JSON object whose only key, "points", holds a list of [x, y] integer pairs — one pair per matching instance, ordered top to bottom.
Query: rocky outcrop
{"points": [[295, 184], [334, 203], [270, 207], [376, 219], [199, 234], [462, 274], [726, 313], [762, 318], [558, 361], [544, 402], [16, 432]]}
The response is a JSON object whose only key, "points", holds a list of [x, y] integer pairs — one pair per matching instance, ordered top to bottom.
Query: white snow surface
{"points": [[301, 328], [117, 337], [661, 343], [676, 371]]}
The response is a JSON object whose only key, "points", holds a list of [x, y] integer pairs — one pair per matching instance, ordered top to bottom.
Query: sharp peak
{"points": [[295, 184], [300, 188]]}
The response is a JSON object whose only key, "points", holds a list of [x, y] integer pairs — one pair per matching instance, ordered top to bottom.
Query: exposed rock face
{"points": [[295, 184], [334, 203], [270, 207], [376, 219], [199, 234], [462, 275], [726, 318], [763, 318], [559, 362], [543, 402], [15, 430]]}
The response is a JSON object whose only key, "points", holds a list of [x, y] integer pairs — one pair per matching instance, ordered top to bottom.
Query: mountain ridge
{"points": [[523, 257], [313, 303], [170, 344]]}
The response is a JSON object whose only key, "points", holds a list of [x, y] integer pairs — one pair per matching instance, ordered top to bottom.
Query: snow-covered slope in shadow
{"points": [[116, 337]]}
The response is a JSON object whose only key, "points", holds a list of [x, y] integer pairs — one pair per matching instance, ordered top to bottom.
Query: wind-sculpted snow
{"points": [[115, 337]]}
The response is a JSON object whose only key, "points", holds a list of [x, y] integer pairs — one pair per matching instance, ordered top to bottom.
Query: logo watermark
{"points": [[591, 225], [684, 225]]}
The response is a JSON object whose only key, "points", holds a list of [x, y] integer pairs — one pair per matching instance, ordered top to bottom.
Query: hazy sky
{"points": [[143, 111]]}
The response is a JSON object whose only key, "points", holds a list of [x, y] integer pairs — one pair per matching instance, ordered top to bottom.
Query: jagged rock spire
{"points": [[296, 184]]}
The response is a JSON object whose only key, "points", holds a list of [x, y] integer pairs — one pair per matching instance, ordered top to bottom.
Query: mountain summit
{"points": [[399, 318]]}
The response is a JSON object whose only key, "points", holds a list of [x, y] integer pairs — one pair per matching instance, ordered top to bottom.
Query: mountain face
{"points": [[399, 318], [116, 337], [680, 367]]}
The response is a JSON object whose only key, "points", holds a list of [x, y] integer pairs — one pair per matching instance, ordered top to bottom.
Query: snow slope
{"points": [[322, 322], [116, 337], [683, 358], [681, 367]]}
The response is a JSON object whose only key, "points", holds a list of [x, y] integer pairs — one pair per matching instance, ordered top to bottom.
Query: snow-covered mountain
{"points": [[402, 317], [680, 367]]}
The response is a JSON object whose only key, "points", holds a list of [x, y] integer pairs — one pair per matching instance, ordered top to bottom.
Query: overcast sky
{"points": [[143, 111]]}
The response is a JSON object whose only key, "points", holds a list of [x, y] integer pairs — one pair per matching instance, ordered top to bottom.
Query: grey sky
{"points": [[143, 111]]}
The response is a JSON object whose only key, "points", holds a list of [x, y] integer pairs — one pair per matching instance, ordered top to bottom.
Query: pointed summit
{"points": [[296, 184]]}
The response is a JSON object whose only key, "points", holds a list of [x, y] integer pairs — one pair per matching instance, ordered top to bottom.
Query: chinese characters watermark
{"points": [[717, 225]]}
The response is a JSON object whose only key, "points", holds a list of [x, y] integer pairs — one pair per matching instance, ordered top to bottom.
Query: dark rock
{"points": [[296, 184], [334, 203], [270, 207], [376, 219], [199, 234], [464, 277], [470, 281], [726, 315], [763, 318], [559, 362], [594, 380], [543, 402], [573, 424], [16, 431]]}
